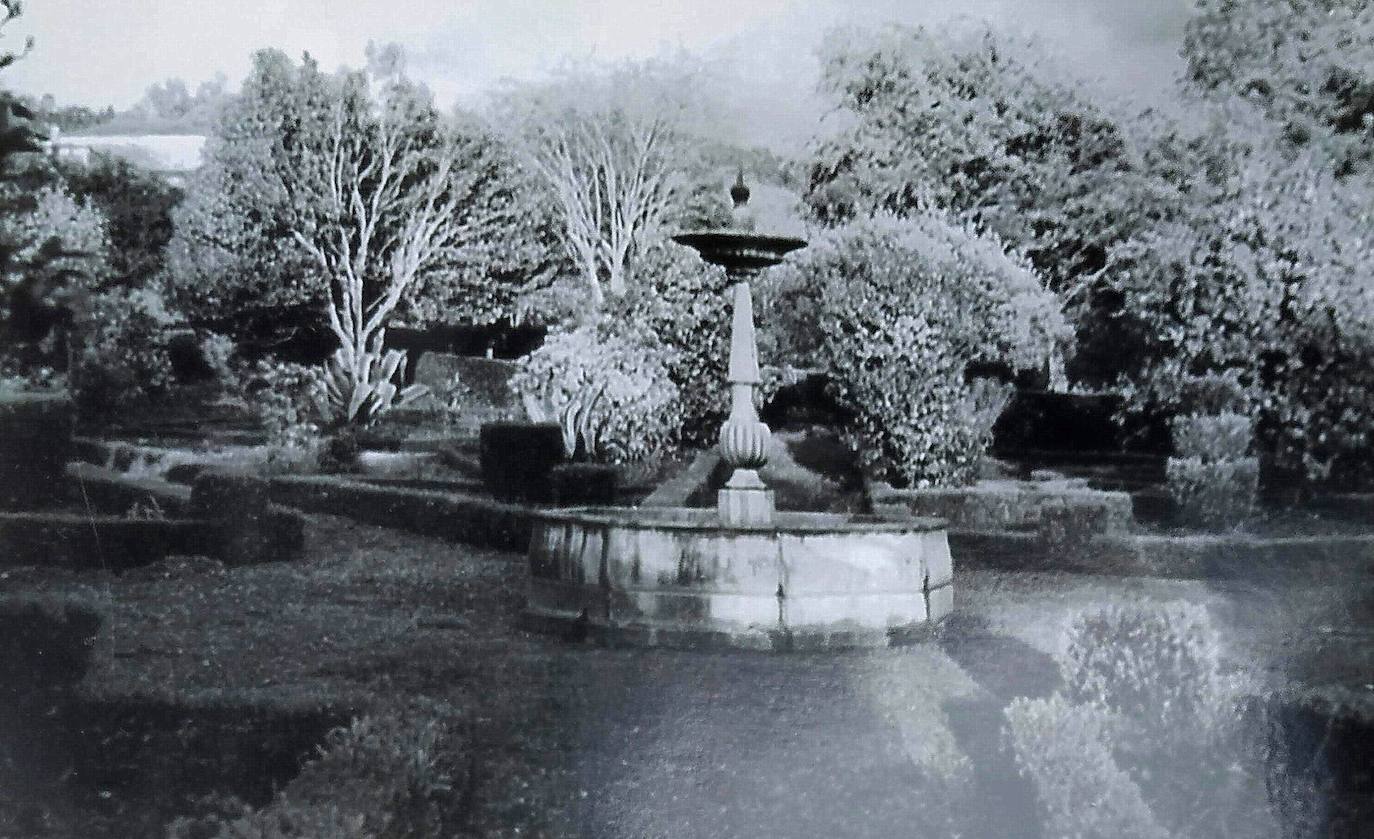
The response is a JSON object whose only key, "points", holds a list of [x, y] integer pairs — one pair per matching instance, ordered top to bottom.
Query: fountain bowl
{"points": [[739, 250], [675, 577]]}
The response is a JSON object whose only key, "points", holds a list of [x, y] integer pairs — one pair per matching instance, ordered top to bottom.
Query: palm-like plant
{"points": [[351, 399]]}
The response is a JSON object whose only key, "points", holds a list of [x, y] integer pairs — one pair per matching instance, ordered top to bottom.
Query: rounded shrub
{"points": [[900, 309]]}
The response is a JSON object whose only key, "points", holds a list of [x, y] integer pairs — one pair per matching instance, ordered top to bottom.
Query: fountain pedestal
{"points": [[745, 501]]}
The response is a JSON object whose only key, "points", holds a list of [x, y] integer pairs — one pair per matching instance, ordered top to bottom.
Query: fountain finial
{"points": [[739, 193]]}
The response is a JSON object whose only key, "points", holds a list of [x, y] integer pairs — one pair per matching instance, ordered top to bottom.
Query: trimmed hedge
{"points": [[35, 444], [517, 457], [584, 484], [450, 516], [113, 543], [43, 647]]}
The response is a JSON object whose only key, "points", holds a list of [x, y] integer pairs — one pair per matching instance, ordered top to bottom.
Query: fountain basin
{"points": [[675, 577]]}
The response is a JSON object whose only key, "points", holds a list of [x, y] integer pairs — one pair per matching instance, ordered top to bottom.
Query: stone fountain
{"points": [[743, 574]]}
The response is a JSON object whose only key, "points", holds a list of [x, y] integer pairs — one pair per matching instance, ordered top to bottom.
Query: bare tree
{"points": [[611, 179]]}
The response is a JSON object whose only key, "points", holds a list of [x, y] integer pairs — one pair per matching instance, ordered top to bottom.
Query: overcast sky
{"points": [[107, 53]]}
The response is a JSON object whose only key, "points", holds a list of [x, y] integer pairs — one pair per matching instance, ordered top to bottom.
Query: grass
{"points": [[564, 739]]}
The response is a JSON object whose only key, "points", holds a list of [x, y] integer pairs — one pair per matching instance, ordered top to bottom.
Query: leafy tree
{"points": [[1307, 63], [988, 129], [348, 196], [137, 206]]}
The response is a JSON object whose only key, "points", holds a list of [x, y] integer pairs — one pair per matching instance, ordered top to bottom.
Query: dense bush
{"points": [[685, 304], [901, 309], [123, 354], [286, 399], [638, 415], [1212, 437], [1213, 494], [1146, 730], [1066, 750], [383, 775]]}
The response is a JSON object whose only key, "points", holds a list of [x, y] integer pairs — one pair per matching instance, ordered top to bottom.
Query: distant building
{"points": [[173, 156]]}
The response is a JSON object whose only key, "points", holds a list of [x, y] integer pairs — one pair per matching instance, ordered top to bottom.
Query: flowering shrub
{"points": [[904, 307], [638, 414]]}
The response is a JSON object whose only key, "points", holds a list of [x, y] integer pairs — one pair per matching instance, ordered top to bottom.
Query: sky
{"points": [[99, 53]]}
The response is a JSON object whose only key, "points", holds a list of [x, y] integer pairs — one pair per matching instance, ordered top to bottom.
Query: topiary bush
{"points": [[901, 310], [638, 416], [1211, 480]]}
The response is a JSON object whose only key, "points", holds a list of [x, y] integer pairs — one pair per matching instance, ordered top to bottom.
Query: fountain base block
{"points": [[677, 577]]}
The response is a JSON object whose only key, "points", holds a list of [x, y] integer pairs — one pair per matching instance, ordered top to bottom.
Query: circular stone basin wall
{"points": [[675, 577]]}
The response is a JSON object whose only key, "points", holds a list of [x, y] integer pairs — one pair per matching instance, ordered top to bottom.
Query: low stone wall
{"points": [[451, 516]]}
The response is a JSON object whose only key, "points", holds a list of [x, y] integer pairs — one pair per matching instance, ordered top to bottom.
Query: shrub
{"points": [[685, 304], [905, 307], [217, 351], [123, 354], [285, 398], [638, 415], [1212, 438], [1213, 494], [1066, 529], [1157, 666], [1172, 715], [1065, 750], [391, 775]]}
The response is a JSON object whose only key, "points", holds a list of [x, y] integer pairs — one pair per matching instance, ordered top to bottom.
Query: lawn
{"points": [[565, 739]]}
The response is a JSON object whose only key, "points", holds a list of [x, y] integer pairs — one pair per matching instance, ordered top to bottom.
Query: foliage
{"points": [[1305, 62], [989, 129], [350, 193], [137, 206], [56, 248], [1258, 280], [684, 303], [904, 308], [217, 351], [123, 355], [361, 397], [286, 398], [452, 399], [638, 411], [581, 428], [1212, 438], [1213, 493], [1066, 528], [1155, 667], [1145, 700], [1065, 749], [383, 775]]}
